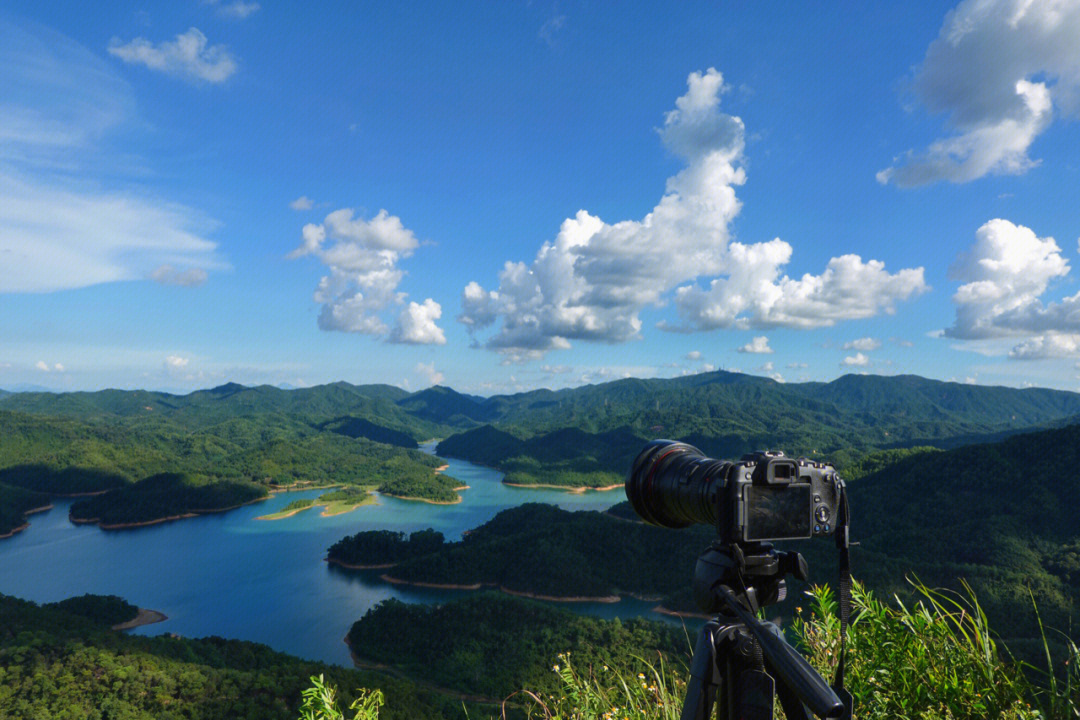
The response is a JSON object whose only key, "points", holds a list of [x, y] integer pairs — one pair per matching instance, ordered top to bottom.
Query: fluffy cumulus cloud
{"points": [[189, 56], [998, 70], [1005, 276], [592, 281], [362, 284], [866, 344], [759, 345], [693, 355], [856, 360]]}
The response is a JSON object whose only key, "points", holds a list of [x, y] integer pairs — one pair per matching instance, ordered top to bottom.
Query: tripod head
{"points": [[751, 571]]}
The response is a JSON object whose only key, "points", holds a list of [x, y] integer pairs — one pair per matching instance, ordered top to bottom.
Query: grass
{"points": [[936, 658]]}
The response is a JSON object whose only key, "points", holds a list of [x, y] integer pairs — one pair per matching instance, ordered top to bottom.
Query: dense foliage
{"points": [[588, 436], [156, 467], [166, 495], [14, 503], [384, 547], [554, 553], [101, 609], [494, 645], [60, 664]]}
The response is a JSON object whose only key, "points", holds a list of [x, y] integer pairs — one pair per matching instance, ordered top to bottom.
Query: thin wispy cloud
{"points": [[236, 10], [189, 56], [60, 234]]}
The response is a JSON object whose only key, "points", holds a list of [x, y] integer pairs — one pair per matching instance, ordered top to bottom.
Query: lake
{"points": [[234, 576]]}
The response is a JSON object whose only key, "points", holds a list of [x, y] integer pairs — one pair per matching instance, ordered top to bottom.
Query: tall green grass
{"points": [[935, 658]]}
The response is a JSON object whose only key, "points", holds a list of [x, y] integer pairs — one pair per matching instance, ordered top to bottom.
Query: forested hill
{"points": [[729, 414], [1000, 516]]}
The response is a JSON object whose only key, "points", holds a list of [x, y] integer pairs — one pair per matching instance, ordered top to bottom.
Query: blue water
{"points": [[234, 576]]}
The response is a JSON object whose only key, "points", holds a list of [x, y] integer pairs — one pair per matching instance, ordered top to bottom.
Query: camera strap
{"points": [[843, 543]]}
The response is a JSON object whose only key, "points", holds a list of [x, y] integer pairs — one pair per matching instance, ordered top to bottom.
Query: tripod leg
{"points": [[704, 676]]}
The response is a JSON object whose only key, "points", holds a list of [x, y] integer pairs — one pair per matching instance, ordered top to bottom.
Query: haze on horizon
{"points": [[536, 194]]}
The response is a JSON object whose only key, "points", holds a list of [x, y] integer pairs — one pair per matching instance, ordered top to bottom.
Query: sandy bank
{"points": [[442, 467], [576, 490], [427, 500], [283, 515], [156, 521], [22, 527], [15, 530], [381, 566], [437, 586], [519, 593], [571, 598], [681, 614], [145, 617]]}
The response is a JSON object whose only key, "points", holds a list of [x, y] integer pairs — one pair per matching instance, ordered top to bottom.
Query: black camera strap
{"points": [[843, 543]]}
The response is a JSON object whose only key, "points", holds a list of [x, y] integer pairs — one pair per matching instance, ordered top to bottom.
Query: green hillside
{"points": [[730, 414], [63, 661]]}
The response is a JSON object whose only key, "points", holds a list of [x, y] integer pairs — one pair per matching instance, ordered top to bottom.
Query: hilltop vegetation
{"points": [[588, 436], [219, 448], [494, 645], [62, 660]]}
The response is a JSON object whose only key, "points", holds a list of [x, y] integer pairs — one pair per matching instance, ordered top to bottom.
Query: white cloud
{"points": [[237, 10], [550, 28], [188, 56], [998, 69], [301, 203], [55, 238], [1004, 274], [168, 275], [364, 277], [593, 280], [416, 324], [902, 342], [867, 344], [759, 345], [1052, 345], [693, 355], [856, 360], [176, 362], [797, 365], [42, 366], [58, 367], [766, 368], [557, 369], [429, 373]]}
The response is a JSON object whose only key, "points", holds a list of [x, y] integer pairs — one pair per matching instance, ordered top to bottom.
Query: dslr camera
{"points": [[764, 496]]}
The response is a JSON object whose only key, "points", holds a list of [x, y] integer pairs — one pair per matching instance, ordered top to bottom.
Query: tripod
{"points": [[737, 655]]}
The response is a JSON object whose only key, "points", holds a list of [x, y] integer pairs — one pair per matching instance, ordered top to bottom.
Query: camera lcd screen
{"points": [[778, 512]]}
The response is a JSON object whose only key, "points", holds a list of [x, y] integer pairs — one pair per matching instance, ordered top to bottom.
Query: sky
{"points": [[505, 196]]}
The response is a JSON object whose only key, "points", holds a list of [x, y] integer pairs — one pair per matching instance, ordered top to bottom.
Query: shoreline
{"points": [[579, 490], [427, 500], [282, 515], [157, 521], [20, 528], [380, 566], [501, 588], [681, 614], [144, 617]]}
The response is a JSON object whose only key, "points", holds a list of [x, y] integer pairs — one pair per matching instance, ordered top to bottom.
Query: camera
{"points": [[764, 496]]}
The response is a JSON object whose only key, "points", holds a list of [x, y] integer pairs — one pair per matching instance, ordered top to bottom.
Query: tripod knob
{"points": [[793, 563]]}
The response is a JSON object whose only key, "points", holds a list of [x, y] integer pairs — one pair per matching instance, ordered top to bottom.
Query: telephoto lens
{"points": [[674, 485]]}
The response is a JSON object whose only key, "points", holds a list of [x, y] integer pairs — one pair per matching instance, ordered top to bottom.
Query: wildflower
{"points": [[555, 668], [641, 676]]}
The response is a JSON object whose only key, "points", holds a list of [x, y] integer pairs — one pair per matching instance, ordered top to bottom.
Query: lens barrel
{"points": [[674, 485]]}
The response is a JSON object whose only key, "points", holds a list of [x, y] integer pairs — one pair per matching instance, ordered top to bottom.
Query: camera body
{"points": [[764, 496]]}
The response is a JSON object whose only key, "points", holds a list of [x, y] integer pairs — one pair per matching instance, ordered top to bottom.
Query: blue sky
{"points": [[502, 196]]}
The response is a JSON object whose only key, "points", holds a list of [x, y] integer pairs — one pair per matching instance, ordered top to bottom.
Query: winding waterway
{"points": [[237, 577]]}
